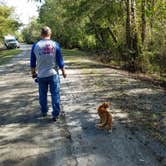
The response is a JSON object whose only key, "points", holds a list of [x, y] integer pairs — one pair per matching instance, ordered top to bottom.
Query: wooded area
{"points": [[8, 24], [128, 33]]}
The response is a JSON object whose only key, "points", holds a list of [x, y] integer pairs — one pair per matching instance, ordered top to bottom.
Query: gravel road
{"points": [[27, 139]]}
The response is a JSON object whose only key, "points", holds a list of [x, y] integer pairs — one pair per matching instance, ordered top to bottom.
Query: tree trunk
{"points": [[143, 4], [152, 18], [128, 24], [134, 30], [112, 34], [98, 35], [132, 35]]}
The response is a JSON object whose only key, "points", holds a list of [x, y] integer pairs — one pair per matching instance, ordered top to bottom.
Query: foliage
{"points": [[8, 24], [126, 31], [31, 33]]}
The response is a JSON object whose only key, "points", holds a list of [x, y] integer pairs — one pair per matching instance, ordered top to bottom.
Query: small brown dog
{"points": [[105, 117]]}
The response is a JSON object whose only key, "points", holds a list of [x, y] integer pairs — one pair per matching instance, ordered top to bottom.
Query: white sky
{"points": [[24, 9]]}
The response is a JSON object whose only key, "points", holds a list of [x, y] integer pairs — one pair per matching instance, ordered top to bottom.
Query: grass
{"points": [[73, 52], [6, 55], [153, 123]]}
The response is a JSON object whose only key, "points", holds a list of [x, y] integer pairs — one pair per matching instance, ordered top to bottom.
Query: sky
{"points": [[24, 9]]}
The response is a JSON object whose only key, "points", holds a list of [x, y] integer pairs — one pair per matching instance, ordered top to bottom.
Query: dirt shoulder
{"points": [[149, 77], [138, 107], [150, 111]]}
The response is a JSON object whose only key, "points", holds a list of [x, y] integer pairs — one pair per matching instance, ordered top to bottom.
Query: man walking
{"points": [[46, 57]]}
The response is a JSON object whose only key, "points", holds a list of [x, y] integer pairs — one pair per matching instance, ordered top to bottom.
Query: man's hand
{"points": [[33, 72], [64, 73], [34, 75]]}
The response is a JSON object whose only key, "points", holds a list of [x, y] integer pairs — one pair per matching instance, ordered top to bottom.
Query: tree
{"points": [[143, 18], [7, 23], [129, 31], [31, 33], [132, 39]]}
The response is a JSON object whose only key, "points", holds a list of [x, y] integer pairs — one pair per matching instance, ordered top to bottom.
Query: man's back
{"points": [[45, 53]]}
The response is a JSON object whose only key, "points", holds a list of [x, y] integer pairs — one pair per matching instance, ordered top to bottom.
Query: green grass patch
{"points": [[73, 52], [6, 55]]}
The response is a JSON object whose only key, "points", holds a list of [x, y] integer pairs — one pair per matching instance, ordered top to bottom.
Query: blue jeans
{"points": [[54, 84]]}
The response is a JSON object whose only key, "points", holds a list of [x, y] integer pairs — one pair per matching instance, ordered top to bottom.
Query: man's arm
{"points": [[60, 61], [33, 62]]}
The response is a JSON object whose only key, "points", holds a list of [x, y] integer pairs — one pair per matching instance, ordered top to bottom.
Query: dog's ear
{"points": [[105, 105]]}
